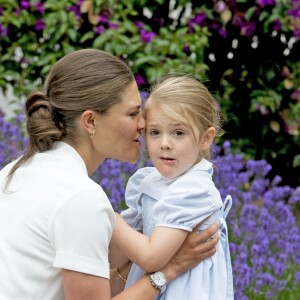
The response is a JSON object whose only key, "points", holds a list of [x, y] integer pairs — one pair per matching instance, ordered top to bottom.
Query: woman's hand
{"points": [[196, 248]]}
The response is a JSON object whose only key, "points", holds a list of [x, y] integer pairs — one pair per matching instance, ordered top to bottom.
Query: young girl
{"points": [[167, 201]]}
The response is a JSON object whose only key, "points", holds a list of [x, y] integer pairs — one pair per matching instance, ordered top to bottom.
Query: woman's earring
{"points": [[92, 135]]}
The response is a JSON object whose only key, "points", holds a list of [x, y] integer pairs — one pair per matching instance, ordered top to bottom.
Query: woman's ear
{"points": [[88, 121], [207, 138]]}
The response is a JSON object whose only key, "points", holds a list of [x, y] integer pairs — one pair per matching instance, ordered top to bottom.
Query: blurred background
{"points": [[248, 55]]}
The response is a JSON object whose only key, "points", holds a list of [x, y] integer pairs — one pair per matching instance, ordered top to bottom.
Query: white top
{"points": [[182, 203], [54, 217]]}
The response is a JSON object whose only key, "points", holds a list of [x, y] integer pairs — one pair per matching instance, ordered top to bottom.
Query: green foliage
{"points": [[249, 51]]}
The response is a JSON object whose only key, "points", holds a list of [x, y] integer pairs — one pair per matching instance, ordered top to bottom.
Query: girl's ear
{"points": [[207, 138]]}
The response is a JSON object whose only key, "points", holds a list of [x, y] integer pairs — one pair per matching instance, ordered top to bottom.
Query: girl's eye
{"points": [[154, 132], [179, 133]]}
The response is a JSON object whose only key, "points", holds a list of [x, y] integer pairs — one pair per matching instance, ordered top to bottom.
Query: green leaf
{"points": [[250, 11], [73, 34], [87, 36], [100, 41], [148, 59], [296, 161]]}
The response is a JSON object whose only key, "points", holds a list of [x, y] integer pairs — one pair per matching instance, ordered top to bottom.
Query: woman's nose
{"points": [[141, 123]]}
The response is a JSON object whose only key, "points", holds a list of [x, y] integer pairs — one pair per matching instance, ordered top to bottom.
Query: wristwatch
{"points": [[158, 280]]}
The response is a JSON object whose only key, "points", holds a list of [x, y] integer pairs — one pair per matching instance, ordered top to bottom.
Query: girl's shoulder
{"points": [[140, 174]]}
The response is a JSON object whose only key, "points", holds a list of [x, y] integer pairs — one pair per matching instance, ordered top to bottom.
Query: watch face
{"points": [[159, 279]]}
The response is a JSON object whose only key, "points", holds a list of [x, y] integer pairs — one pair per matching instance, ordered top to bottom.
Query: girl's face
{"points": [[118, 131], [172, 146]]}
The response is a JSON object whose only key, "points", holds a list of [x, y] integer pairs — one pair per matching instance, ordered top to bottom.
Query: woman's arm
{"points": [[195, 249], [150, 253], [118, 278]]}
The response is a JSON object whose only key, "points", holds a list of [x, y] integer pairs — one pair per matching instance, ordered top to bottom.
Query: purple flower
{"points": [[264, 3], [25, 4], [39, 6], [1, 11], [76, 11], [295, 12], [103, 18], [198, 19], [237, 20], [139, 24], [39, 25], [113, 25], [277, 25], [247, 28], [99, 29], [3, 30], [222, 32], [296, 33], [147, 36], [186, 48], [140, 80], [296, 95], [144, 96], [12, 142], [276, 180], [295, 197], [297, 278]]}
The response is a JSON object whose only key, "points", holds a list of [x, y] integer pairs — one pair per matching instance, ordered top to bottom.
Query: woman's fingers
{"points": [[203, 236], [196, 248], [203, 250]]}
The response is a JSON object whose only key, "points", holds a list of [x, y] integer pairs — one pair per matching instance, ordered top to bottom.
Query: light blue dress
{"points": [[182, 203]]}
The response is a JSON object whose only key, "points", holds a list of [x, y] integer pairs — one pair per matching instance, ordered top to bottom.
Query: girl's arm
{"points": [[194, 250], [150, 253], [115, 255]]}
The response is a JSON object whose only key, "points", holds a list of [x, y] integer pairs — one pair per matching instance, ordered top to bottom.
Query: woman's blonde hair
{"points": [[187, 101]]}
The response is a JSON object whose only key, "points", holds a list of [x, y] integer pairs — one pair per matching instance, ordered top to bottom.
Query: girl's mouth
{"points": [[167, 159]]}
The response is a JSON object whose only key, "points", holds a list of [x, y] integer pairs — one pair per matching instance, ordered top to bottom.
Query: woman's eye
{"points": [[134, 113]]}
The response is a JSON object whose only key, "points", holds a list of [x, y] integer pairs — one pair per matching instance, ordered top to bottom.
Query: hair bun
{"points": [[35, 101], [43, 130]]}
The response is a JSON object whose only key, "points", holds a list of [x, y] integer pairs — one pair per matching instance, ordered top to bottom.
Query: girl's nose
{"points": [[165, 143]]}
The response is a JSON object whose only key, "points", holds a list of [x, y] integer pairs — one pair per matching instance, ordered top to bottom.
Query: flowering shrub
{"points": [[247, 49], [12, 139], [264, 236]]}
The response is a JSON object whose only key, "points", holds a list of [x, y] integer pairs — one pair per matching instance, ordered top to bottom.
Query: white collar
{"points": [[69, 154]]}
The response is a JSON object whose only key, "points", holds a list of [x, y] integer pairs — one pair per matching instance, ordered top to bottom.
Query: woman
{"points": [[55, 222]]}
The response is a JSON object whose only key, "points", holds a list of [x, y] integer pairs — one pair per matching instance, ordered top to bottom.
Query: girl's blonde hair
{"points": [[187, 101]]}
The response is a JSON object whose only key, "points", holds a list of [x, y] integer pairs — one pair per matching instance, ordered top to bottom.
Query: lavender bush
{"points": [[12, 139], [264, 236]]}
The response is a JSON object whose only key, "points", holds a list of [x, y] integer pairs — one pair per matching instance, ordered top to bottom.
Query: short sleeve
{"points": [[188, 201], [133, 214], [80, 232]]}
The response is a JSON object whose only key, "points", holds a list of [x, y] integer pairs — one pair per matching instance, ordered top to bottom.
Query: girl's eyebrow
{"points": [[151, 124]]}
